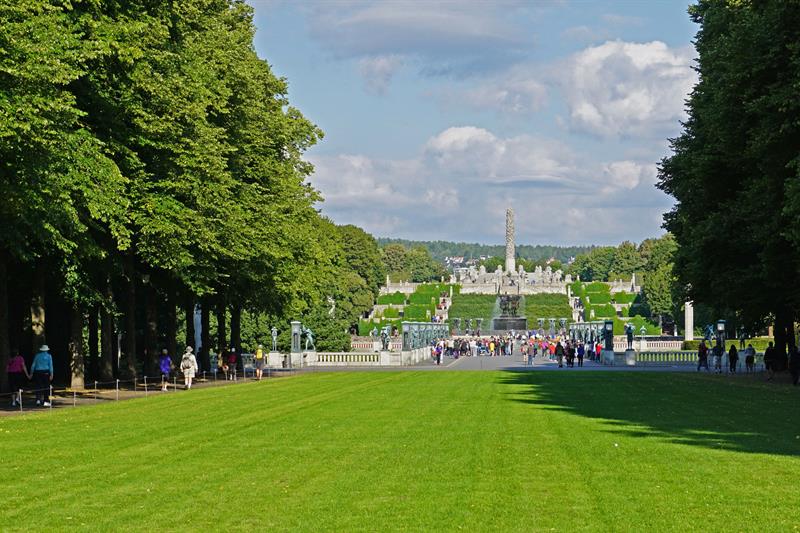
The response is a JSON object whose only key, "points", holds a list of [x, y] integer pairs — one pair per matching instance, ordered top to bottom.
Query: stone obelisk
{"points": [[511, 263]]}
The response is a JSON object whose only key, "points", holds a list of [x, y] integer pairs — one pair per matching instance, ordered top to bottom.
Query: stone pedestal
{"points": [[642, 344], [376, 346], [607, 357], [630, 357], [309, 358], [276, 359]]}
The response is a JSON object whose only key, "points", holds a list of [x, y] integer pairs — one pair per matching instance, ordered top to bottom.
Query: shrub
{"points": [[578, 288], [397, 298], [422, 299], [472, 306]]}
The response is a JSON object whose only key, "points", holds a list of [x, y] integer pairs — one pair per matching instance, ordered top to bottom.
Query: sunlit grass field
{"points": [[421, 451]]}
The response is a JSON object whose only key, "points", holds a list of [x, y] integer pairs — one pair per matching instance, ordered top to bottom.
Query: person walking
{"points": [[718, 350], [581, 353], [560, 355], [702, 356], [733, 359], [750, 359], [769, 361], [259, 362], [232, 364], [165, 365], [188, 367], [42, 370], [17, 372]]}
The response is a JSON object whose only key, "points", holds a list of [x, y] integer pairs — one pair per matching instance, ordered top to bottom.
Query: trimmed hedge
{"points": [[597, 287], [624, 297], [397, 298], [598, 298], [423, 299], [473, 306], [601, 311], [391, 312], [416, 312], [638, 322], [365, 326], [759, 343]]}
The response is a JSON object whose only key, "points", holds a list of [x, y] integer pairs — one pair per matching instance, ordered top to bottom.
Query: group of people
{"points": [[560, 349], [773, 361], [41, 373]]}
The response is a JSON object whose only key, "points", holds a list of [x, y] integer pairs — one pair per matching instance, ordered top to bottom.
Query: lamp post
{"points": [[721, 333]]}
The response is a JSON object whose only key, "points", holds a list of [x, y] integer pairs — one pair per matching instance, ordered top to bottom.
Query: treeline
{"points": [[151, 162], [734, 170], [441, 249], [652, 263], [411, 264]]}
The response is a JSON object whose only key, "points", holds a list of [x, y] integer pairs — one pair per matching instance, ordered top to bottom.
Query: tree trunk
{"points": [[37, 308], [188, 309], [781, 321], [171, 328], [151, 332], [236, 334], [205, 335], [222, 341], [5, 348], [94, 358], [76, 362], [128, 367], [105, 371]]}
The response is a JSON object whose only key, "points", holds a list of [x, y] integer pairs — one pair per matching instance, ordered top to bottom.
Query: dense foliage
{"points": [[151, 161], [734, 169], [411, 264]]}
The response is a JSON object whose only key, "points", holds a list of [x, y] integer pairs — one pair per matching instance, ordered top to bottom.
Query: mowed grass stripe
{"points": [[414, 450]]}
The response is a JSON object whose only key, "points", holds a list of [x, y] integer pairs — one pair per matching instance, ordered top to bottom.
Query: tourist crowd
{"points": [[566, 352]]}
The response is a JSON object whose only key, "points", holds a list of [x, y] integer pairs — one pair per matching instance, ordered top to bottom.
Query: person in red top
{"points": [[598, 349], [232, 364], [17, 375]]}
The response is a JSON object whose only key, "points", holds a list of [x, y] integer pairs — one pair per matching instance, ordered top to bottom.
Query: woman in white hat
{"points": [[188, 367]]}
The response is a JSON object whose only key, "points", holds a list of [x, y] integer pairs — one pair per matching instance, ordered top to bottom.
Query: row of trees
{"points": [[151, 162], [734, 171], [536, 253], [411, 264]]}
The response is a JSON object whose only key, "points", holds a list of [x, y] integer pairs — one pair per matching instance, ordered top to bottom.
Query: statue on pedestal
{"points": [[309, 335], [629, 335], [274, 339]]}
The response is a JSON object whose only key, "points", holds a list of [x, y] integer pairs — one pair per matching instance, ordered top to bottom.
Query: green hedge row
{"points": [[597, 287], [624, 297], [397, 298], [597, 298], [422, 299], [546, 299], [473, 306], [640, 309], [600, 311], [391, 312], [419, 312], [638, 322], [365, 326], [760, 343]]}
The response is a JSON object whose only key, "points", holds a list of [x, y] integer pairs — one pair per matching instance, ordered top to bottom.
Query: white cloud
{"points": [[441, 39], [377, 72], [620, 88], [464, 177]]}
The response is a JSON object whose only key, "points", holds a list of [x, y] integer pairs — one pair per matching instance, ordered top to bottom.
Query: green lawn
{"points": [[420, 451]]}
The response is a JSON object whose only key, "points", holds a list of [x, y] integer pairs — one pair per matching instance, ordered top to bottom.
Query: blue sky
{"points": [[437, 116]]}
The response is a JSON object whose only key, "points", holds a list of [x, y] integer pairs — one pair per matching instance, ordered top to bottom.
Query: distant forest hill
{"points": [[441, 249]]}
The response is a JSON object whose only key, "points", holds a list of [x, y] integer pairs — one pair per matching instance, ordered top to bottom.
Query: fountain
{"points": [[508, 317]]}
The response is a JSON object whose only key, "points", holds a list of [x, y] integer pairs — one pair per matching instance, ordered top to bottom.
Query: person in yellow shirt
{"points": [[259, 362]]}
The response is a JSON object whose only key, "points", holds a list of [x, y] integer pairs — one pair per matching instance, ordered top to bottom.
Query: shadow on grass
{"points": [[741, 414]]}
